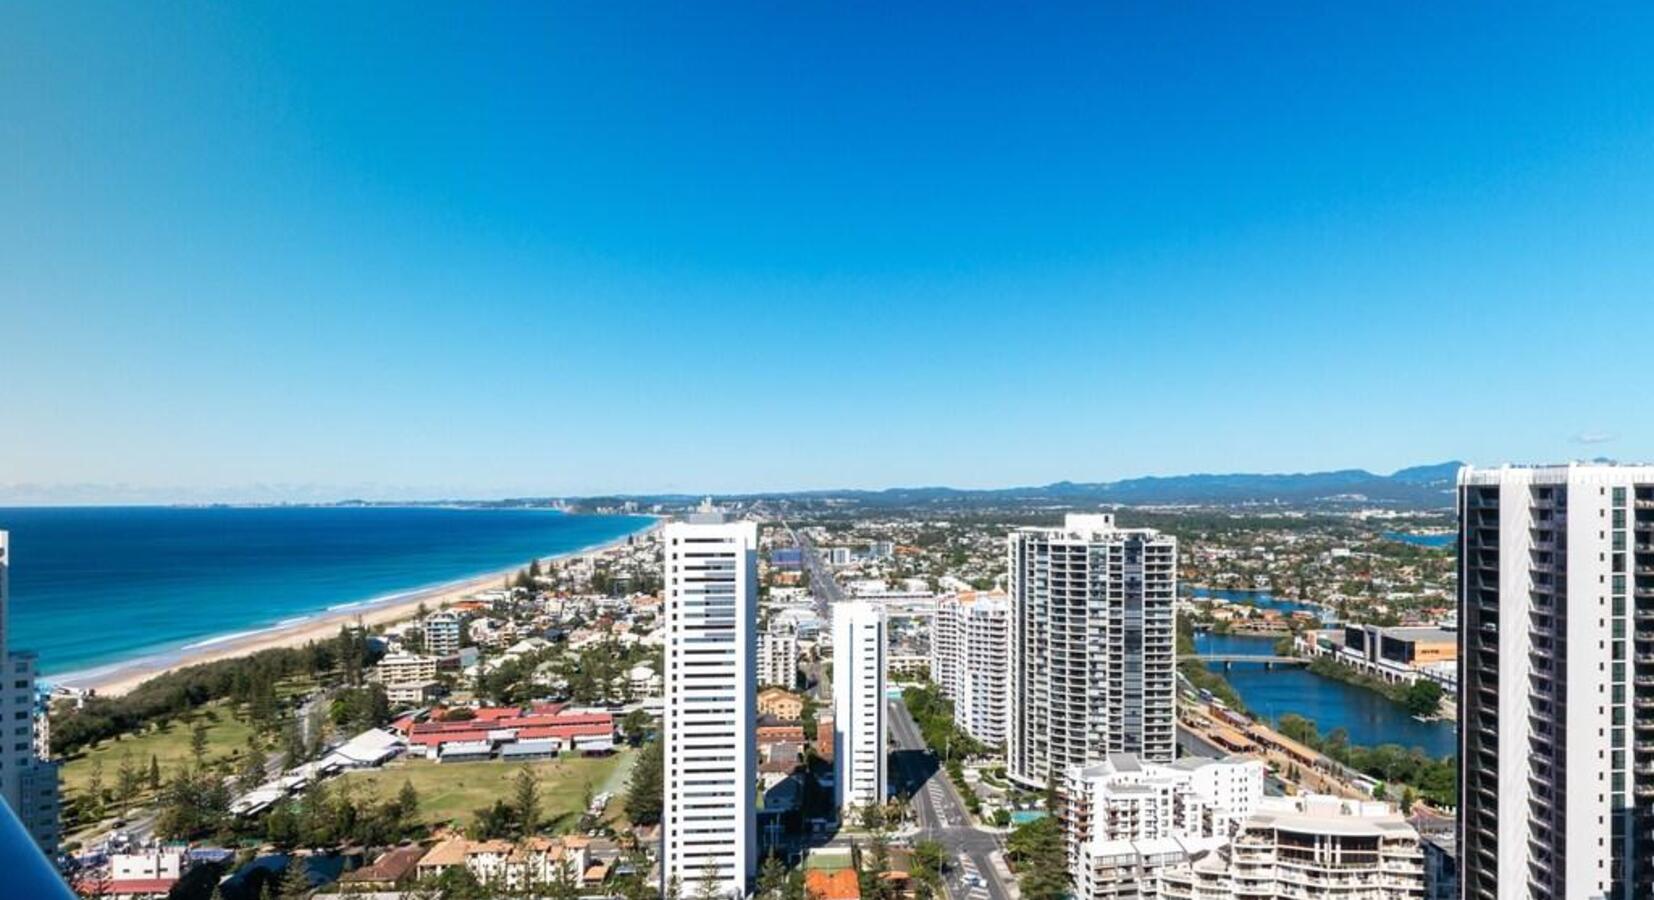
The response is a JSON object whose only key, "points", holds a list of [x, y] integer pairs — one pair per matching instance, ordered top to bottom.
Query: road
{"points": [[822, 583], [826, 591], [939, 808], [941, 813]]}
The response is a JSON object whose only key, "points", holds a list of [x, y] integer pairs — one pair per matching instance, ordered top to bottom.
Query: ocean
{"points": [[93, 587]]}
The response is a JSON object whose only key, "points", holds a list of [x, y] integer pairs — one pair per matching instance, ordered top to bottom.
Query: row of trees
{"points": [[247, 680], [933, 713], [1437, 780], [327, 815]]}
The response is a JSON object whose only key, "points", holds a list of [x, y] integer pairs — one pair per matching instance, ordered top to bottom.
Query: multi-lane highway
{"points": [[825, 590], [941, 813]]}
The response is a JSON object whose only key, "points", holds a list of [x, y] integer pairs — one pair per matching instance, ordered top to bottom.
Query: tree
{"points": [[1424, 697], [634, 725], [198, 743], [292, 753], [253, 765], [154, 773], [127, 779], [94, 789], [646, 793], [407, 801], [527, 801], [192, 804], [871, 817], [492, 821], [317, 824], [281, 827], [1037, 849], [929, 857], [875, 864], [772, 878], [295, 880], [712, 882]]}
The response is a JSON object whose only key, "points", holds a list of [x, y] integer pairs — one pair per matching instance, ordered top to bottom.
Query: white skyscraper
{"points": [[1093, 646], [1556, 650], [778, 656], [969, 658], [858, 704], [28, 783], [708, 822]]}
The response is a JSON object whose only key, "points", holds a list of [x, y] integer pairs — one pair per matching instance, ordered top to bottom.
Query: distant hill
{"points": [[1418, 487], [1424, 487]]}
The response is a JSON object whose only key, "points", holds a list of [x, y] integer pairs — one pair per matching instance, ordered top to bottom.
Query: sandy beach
{"points": [[122, 677]]}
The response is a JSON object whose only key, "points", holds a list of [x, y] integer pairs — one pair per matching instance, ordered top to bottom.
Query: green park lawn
{"points": [[226, 737], [451, 792]]}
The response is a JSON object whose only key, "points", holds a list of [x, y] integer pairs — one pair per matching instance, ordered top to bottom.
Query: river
{"points": [[1261, 600], [1369, 717]]}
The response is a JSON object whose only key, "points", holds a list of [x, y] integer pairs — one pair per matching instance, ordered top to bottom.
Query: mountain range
{"points": [[1417, 487]]}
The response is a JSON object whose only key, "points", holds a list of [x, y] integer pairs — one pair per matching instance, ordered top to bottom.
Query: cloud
{"points": [[1595, 437]]}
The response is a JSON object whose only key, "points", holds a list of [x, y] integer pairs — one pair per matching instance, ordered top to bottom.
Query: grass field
{"points": [[226, 737], [451, 792]]}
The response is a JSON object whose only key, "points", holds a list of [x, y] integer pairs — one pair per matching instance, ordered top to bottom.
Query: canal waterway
{"points": [[1260, 599], [1370, 718]]}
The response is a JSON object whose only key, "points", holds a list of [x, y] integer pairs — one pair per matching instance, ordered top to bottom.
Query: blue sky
{"points": [[276, 250]]}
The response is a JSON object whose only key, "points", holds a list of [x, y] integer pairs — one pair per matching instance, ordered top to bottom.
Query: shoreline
{"points": [[119, 678]]}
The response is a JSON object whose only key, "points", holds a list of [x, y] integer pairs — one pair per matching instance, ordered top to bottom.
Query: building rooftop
{"points": [[1322, 814]]}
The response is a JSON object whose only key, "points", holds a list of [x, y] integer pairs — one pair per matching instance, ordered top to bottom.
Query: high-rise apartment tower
{"points": [[1092, 646], [1556, 650], [859, 726], [709, 826]]}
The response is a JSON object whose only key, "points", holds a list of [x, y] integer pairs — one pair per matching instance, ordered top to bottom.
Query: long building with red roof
{"points": [[508, 723]]}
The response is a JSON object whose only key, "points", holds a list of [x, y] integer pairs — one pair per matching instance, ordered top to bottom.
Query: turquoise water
{"points": [[94, 587], [1370, 718]]}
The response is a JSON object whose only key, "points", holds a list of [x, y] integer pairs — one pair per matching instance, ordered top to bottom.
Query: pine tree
{"points": [[198, 743], [253, 765], [154, 773], [127, 779], [94, 789], [527, 805], [772, 879], [295, 880], [712, 882]]}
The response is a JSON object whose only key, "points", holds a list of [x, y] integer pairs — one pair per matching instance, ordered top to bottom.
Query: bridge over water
{"points": [[1268, 661]]}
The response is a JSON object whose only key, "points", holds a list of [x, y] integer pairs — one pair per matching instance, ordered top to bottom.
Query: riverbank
{"points": [[120, 678], [1401, 694], [1368, 718]]}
